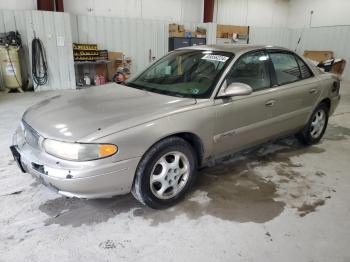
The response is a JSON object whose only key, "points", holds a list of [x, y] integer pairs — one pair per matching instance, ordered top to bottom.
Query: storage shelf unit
{"points": [[178, 42], [88, 67]]}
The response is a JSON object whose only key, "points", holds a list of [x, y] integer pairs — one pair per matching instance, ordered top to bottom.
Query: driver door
{"points": [[243, 121]]}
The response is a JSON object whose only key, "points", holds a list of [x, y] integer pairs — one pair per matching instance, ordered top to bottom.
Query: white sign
{"points": [[60, 40], [219, 58]]}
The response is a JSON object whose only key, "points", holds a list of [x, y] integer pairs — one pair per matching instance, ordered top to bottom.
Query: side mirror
{"points": [[235, 89]]}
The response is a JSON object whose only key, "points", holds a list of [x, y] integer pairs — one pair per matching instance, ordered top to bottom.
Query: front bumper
{"points": [[90, 179]]}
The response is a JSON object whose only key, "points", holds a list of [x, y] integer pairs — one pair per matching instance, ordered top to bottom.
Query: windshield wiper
{"points": [[135, 86], [155, 90]]}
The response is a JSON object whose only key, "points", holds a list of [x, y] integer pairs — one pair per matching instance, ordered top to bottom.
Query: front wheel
{"points": [[315, 128], [165, 173]]}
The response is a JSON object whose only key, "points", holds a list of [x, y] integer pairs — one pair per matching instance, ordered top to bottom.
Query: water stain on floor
{"points": [[335, 133], [232, 190], [242, 197], [307, 208], [75, 212]]}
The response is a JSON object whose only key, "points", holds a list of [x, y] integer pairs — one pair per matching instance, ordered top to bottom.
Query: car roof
{"points": [[234, 48]]}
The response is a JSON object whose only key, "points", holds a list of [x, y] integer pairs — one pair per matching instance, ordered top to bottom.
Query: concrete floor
{"points": [[279, 202]]}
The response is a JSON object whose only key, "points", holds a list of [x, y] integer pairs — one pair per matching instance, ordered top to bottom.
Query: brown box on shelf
{"points": [[173, 27], [176, 28], [201, 31], [223, 31], [176, 34], [112, 56], [318, 56], [116, 59]]}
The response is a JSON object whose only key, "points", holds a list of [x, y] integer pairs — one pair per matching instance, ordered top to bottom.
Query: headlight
{"points": [[78, 151]]}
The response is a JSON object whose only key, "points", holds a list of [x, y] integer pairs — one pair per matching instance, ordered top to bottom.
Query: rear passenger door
{"points": [[295, 91]]}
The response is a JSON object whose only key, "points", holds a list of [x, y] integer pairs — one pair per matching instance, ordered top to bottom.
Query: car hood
{"points": [[75, 115]]}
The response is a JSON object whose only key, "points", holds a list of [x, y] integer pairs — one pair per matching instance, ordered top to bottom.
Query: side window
{"points": [[286, 67], [251, 69], [304, 69]]}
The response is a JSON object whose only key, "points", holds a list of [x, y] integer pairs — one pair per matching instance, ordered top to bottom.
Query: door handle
{"points": [[313, 91], [270, 102]]}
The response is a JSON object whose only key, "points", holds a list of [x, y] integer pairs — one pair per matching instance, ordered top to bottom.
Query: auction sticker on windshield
{"points": [[219, 58]]}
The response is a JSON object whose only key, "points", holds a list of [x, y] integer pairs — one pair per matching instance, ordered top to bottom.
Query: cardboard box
{"points": [[173, 27], [176, 28], [201, 31], [223, 31], [176, 34], [112, 56], [318, 56], [116, 59]]}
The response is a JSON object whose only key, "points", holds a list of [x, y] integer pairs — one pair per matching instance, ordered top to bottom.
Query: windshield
{"points": [[185, 73]]}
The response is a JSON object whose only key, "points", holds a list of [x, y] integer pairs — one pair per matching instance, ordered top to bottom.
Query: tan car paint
{"points": [[134, 120]]}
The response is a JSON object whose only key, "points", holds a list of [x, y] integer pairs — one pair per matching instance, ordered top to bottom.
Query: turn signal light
{"points": [[107, 150]]}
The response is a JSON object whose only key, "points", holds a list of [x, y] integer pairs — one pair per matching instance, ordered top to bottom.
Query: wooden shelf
{"points": [[92, 62]]}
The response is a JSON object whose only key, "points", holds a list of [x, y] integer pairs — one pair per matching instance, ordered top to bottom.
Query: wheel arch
{"points": [[326, 101], [194, 140], [196, 143]]}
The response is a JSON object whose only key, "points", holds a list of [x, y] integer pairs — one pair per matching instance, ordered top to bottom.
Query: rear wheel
{"points": [[315, 128], [165, 173]]}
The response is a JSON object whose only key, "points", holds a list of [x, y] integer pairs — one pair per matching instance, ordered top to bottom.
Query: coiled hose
{"points": [[39, 63]]}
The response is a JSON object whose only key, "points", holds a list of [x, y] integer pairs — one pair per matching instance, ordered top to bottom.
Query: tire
{"points": [[314, 130], [160, 179]]}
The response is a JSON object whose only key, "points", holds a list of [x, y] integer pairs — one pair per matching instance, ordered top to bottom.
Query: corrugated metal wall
{"points": [[47, 26], [258, 35], [270, 36], [136, 38], [335, 38]]}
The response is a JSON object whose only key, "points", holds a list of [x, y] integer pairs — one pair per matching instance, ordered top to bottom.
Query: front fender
{"points": [[135, 141]]}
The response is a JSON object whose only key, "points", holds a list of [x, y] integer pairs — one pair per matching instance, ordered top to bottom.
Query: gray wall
{"points": [[47, 26], [134, 37], [334, 38]]}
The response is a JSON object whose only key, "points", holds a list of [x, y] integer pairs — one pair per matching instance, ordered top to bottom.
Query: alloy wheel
{"points": [[318, 123], [169, 175]]}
